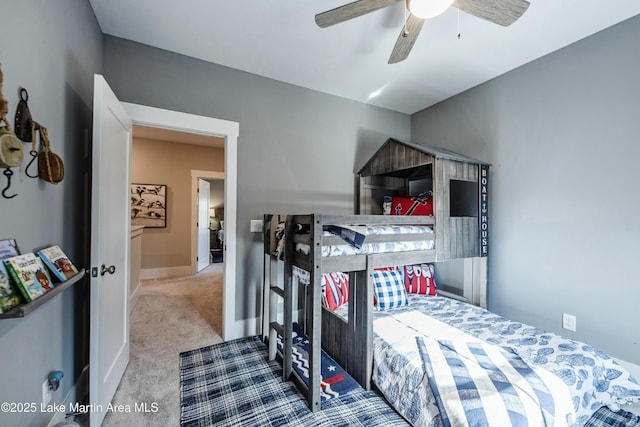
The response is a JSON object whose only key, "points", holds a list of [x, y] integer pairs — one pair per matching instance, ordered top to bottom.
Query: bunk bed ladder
{"points": [[273, 294]]}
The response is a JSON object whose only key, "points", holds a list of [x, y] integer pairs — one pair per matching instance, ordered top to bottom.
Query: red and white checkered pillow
{"points": [[418, 279], [335, 290]]}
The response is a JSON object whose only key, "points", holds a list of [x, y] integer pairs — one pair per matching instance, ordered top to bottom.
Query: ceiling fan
{"points": [[501, 12]]}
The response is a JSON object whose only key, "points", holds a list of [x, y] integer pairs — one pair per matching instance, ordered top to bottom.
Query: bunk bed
{"points": [[303, 243], [306, 248], [565, 381]]}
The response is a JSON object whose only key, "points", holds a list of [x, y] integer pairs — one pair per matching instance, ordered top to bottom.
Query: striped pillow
{"points": [[419, 279], [389, 289], [335, 290]]}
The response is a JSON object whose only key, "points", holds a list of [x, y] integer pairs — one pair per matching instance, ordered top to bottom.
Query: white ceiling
{"points": [[280, 40]]}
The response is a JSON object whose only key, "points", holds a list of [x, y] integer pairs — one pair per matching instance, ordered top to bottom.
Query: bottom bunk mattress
{"points": [[440, 361]]}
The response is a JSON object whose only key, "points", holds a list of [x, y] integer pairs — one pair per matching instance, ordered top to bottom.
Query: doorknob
{"points": [[104, 269]]}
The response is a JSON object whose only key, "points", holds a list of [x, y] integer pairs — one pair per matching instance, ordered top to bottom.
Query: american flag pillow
{"points": [[419, 279], [389, 289], [335, 290]]}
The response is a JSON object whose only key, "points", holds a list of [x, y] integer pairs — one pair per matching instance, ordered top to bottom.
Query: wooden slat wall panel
{"points": [[395, 157], [441, 207], [474, 232], [455, 237], [335, 333], [349, 343]]}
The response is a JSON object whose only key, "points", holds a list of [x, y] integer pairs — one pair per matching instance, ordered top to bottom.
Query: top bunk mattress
{"points": [[356, 242], [583, 378]]}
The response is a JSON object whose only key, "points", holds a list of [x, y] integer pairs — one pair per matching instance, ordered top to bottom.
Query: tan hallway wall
{"points": [[170, 163]]}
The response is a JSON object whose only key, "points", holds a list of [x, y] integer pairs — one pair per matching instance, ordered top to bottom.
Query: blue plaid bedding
{"points": [[587, 377], [476, 384]]}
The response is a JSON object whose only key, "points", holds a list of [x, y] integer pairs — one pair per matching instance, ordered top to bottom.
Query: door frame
{"points": [[184, 122], [206, 175]]}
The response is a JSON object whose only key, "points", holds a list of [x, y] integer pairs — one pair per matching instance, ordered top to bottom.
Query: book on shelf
{"points": [[57, 262], [30, 275], [9, 295]]}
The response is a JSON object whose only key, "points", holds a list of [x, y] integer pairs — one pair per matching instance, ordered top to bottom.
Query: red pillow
{"points": [[418, 205], [418, 279], [335, 290]]}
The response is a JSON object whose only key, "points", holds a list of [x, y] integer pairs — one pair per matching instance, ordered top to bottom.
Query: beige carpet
{"points": [[171, 316]]}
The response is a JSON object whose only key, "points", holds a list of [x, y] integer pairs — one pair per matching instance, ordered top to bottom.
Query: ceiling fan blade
{"points": [[350, 11], [501, 12], [406, 39]]}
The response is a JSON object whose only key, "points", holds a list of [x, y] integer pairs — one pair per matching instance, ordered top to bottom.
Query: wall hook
{"points": [[33, 153], [34, 156], [8, 173]]}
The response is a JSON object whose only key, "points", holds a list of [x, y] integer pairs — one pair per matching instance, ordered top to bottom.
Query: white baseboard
{"points": [[162, 273], [133, 298], [246, 328], [79, 390]]}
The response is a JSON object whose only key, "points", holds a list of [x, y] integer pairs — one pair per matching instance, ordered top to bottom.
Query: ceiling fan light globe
{"points": [[427, 9]]}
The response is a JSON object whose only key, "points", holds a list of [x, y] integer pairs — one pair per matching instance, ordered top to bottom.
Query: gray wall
{"points": [[52, 49], [563, 135], [297, 149]]}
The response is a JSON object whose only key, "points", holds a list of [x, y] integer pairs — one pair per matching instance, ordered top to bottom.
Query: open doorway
{"points": [[228, 132], [216, 220], [207, 222]]}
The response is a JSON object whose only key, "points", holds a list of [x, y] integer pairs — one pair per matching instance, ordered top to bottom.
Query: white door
{"points": [[110, 231], [204, 237]]}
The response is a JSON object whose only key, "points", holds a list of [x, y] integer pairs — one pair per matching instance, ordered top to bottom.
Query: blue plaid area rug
{"points": [[234, 384], [605, 417]]}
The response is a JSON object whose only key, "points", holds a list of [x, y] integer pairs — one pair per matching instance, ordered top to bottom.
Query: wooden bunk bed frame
{"points": [[394, 169], [390, 171], [348, 342]]}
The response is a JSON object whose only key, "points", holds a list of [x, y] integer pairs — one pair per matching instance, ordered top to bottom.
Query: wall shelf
{"points": [[26, 308]]}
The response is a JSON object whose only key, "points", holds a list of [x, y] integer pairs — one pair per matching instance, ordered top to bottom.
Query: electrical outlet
{"points": [[569, 322], [46, 393]]}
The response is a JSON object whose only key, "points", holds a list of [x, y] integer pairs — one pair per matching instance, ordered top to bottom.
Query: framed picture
{"points": [[149, 205]]}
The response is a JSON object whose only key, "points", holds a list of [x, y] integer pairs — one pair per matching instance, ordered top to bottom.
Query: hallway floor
{"points": [[171, 316]]}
